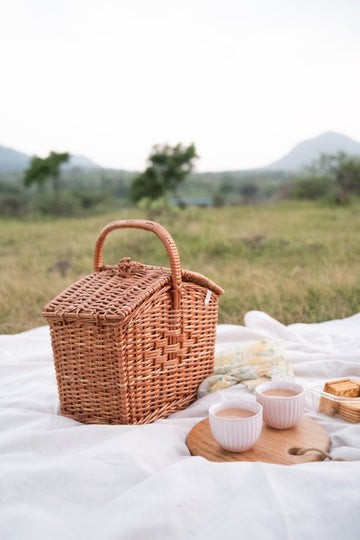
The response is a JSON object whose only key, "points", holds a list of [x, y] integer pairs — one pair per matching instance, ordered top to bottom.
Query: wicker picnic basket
{"points": [[132, 342]]}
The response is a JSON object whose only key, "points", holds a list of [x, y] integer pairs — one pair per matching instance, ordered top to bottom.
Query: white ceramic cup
{"points": [[278, 411], [236, 434]]}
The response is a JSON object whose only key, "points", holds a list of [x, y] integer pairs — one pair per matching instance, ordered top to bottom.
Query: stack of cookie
{"points": [[343, 388]]}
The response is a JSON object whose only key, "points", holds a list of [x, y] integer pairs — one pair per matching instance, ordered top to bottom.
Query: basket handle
{"points": [[164, 236]]}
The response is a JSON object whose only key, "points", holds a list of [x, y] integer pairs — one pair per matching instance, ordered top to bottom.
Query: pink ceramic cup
{"points": [[281, 412], [236, 434]]}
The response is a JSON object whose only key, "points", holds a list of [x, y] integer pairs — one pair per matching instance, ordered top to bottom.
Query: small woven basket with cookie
{"points": [[339, 397]]}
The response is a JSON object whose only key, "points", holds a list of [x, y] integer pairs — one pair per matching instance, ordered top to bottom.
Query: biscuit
{"points": [[341, 388], [328, 406], [350, 411]]}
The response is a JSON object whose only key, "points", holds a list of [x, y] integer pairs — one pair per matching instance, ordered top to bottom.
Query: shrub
{"points": [[312, 188]]}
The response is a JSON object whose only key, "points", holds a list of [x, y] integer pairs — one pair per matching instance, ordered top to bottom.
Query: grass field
{"points": [[298, 262]]}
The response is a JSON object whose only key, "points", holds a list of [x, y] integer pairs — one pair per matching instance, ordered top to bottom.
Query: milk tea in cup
{"points": [[283, 403], [236, 423]]}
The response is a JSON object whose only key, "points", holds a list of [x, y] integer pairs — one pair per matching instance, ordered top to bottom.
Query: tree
{"points": [[167, 167], [42, 169], [345, 172], [337, 175], [148, 184], [310, 188], [249, 192]]}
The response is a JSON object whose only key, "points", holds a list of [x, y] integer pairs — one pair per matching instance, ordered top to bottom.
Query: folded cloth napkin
{"points": [[251, 365]]}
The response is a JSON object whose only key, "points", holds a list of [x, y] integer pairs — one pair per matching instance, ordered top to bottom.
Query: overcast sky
{"points": [[245, 80]]}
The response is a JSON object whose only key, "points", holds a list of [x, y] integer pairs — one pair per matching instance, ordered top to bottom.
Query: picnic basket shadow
{"points": [[132, 342]]}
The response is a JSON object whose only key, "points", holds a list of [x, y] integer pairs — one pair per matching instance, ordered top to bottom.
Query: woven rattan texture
{"points": [[123, 354]]}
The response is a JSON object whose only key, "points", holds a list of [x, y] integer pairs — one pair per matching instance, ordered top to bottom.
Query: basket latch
{"points": [[124, 266]]}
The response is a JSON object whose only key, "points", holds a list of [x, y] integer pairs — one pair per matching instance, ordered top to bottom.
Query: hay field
{"points": [[297, 261]]}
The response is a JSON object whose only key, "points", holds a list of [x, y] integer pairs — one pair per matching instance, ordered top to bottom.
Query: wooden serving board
{"points": [[273, 445]]}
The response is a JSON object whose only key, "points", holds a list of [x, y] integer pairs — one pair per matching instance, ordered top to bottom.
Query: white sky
{"points": [[245, 80]]}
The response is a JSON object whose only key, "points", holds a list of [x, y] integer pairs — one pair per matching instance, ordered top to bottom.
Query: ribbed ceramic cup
{"points": [[278, 411], [236, 434]]}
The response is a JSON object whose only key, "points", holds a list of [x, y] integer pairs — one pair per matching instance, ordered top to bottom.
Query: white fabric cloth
{"points": [[62, 480]]}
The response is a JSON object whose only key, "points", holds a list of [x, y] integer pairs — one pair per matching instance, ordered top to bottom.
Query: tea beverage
{"points": [[280, 392], [283, 403], [234, 412], [236, 423]]}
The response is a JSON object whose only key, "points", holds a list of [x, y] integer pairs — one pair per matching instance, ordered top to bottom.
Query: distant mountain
{"points": [[306, 152], [301, 155], [14, 161], [80, 162]]}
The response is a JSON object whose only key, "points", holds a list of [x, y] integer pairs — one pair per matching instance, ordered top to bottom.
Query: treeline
{"points": [[334, 179], [231, 188], [85, 192], [80, 193]]}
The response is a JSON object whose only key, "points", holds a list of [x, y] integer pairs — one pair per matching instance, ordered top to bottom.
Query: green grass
{"points": [[297, 261]]}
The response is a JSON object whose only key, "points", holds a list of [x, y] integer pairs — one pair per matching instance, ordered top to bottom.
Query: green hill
{"points": [[12, 161]]}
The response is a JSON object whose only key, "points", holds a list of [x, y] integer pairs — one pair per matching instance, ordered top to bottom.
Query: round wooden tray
{"points": [[273, 446]]}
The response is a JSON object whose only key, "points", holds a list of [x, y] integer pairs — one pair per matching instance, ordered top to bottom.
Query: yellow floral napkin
{"points": [[251, 365]]}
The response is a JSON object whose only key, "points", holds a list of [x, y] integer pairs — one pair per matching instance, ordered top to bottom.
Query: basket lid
{"points": [[114, 292]]}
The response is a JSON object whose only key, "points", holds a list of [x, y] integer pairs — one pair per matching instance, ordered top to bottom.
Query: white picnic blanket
{"points": [[62, 480]]}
